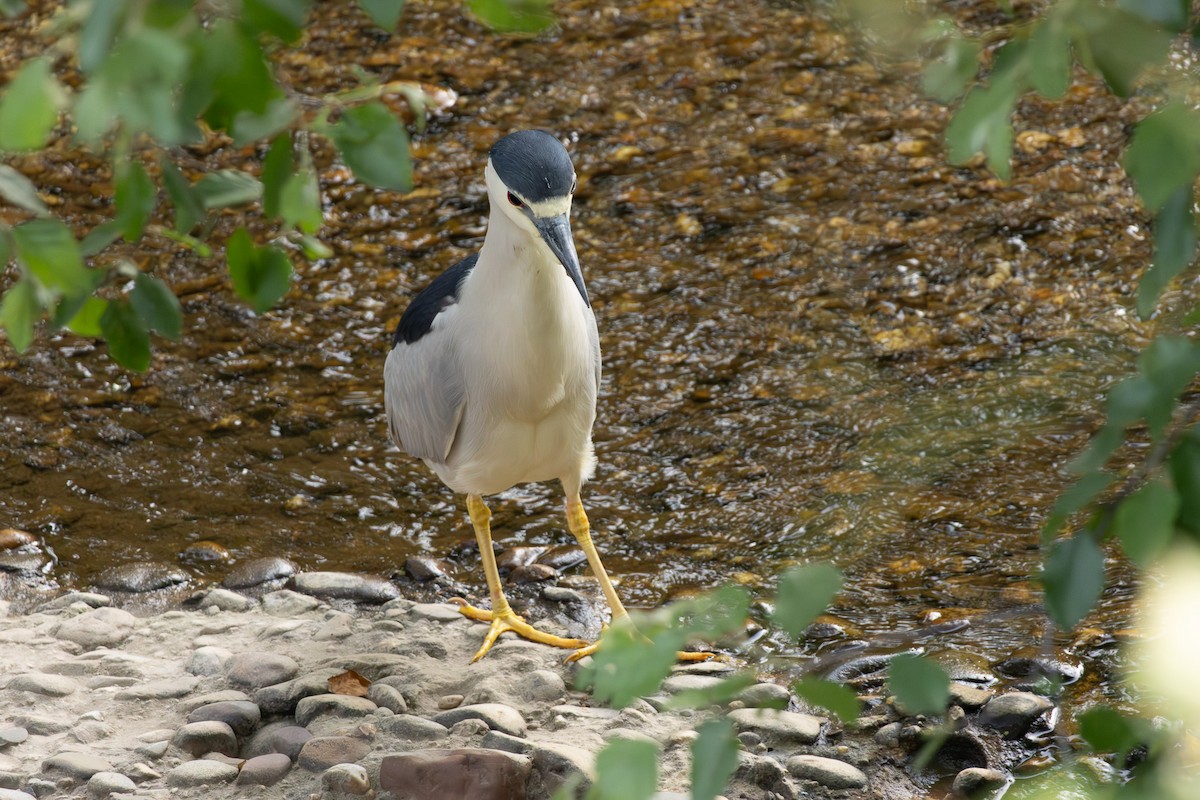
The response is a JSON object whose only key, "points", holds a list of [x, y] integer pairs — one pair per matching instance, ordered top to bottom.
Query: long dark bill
{"points": [[556, 231]]}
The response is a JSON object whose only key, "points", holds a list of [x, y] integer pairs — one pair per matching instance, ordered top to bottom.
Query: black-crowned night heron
{"points": [[494, 367]]}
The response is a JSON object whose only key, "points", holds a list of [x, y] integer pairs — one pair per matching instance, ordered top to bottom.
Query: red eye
{"points": [[516, 201]]}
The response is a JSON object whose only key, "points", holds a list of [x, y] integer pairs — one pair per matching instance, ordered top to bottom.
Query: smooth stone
{"points": [[563, 557], [424, 568], [257, 572], [532, 573], [141, 577], [345, 586], [561, 594], [93, 599], [225, 600], [286, 603], [438, 612], [101, 627], [209, 660], [1033, 664], [254, 670], [38, 683], [689, 683], [542, 685], [161, 689], [764, 695], [968, 696], [388, 697], [281, 698], [448, 701], [190, 704], [335, 705], [586, 712], [1012, 714], [240, 715], [498, 717], [41, 726], [779, 726], [408, 727], [88, 731], [13, 735], [888, 735], [210, 736], [278, 737], [496, 740], [153, 750], [322, 752], [556, 763], [78, 765], [265, 770], [827, 771], [466, 772], [764, 772], [200, 773], [346, 779], [974, 780], [103, 784], [13, 794]]}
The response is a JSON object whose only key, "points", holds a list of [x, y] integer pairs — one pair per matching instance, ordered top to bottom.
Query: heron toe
{"points": [[510, 621], [681, 655]]}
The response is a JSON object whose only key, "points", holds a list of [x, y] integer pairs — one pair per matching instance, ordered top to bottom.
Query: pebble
{"points": [[423, 568], [257, 572], [532, 573], [141, 577], [345, 586], [561, 594], [91, 599], [225, 600], [286, 603], [439, 612], [100, 627], [209, 660], [256, 669], [687, 682], [40, 683], [160, 689], [765, 695], [967, 696], [388, 697], [281, 698], [448, 701], [336, 705], [1013, 713], [241, 716], [498, 717], [777, 726], [413, 728], [13, 734], [888, 735], [210, 736], [279, 737], [322, 752], [77, 765], [265, 770], [827, 771], [200, 773], [475, 773], [346, 779], [973, 781], [103, 784], [13, 794]]}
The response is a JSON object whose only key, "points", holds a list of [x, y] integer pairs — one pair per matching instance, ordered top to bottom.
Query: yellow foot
{"points": [[509, 621], [682, 655]]}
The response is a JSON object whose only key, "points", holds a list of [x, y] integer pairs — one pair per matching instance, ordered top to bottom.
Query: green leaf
{"points": [[10, 8], [384, 13], [1170, 14], [513, 16], [282, 18], [99, 30], [1121, 46], [1050, 58], [232, 76], [946, 76], [29, 107], [983, 123], [250, 126], [374, 145], [1164, 153], [277, 168], [227, 187], [19, 190], [136, 197], [300, 204], [189, 209], [100, 237], [1174, 248], [49, 249], [261, 275], [157, 305], [18, 311], [86, 321], [128, 340], [1170, 363], [1184, 465], [1074, 499], [1145, 522], [1073, 576], [804, 592], [920, 685], [828, 695], [1108, 731], [714, 758], [626, 769]]}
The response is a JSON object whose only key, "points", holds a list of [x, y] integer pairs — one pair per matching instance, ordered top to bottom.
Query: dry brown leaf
{"points": [[349, 683]]}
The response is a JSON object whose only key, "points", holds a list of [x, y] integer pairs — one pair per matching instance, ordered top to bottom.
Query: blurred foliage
{"points": [[149, 77]]}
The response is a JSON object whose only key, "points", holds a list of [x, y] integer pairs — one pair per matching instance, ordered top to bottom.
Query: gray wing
{"points": [[424, 395]]}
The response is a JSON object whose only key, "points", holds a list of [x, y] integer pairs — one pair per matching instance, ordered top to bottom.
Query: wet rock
{"points": [[11, 539], [519, 556], [563, 557], [423, 568], [257, 572], [532, 573], [141, 577], [345, 586], [561, 594], [93, 599], [225, 600], [286, 603], [827, 626], [101, 627], [209, 660], [965, 667], [1035, 668], [259, 669], [863, 673], [39, 683], [690, 683], [161, 689], [765, 695], [388, 697], [969, 697], [281, 698], [335, 705], [1014, 713], [241, 716], [498, 717], [777, 726], [408, 727], [11, 735], [888, 735], [210, 736], [285, 738], [959, 750], [322, 752], [81, 766], [265, 770], [827, 771], [468, 772], [764, 772], [201, 773], [345, 780], [974, 781], [103, 784]]}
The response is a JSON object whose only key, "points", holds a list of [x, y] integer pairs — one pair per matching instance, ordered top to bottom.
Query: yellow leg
{"points": [[581, 529], [501, 615]]}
